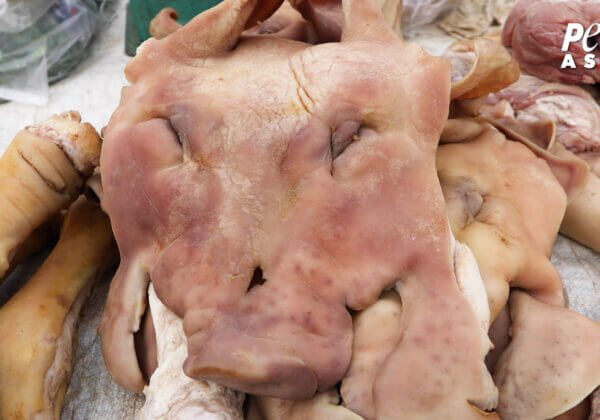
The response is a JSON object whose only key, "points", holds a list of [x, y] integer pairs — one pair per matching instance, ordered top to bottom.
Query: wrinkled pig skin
{"points": [[535, 31], [305, 166], [495, 190], [552, 362]]}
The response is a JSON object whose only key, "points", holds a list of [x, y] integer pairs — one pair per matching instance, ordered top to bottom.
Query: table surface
{"points": [[94, 90]]}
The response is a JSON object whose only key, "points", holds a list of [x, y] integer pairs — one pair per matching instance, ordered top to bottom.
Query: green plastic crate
{"points": [[141, 12]]}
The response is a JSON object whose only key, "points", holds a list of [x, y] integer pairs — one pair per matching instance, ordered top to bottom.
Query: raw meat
{"points": [[535, 31], [480, 67], [574, 111], [574, 118], [294, 165], [41, 173], [494, 190], [38, 324], [377, 331], [171, 394]]}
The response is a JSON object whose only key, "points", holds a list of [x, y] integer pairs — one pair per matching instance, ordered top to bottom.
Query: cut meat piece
{"points": [[535, 31], [573, 110], [303, 166], [495, 190], [552, 362], [173, 395]]}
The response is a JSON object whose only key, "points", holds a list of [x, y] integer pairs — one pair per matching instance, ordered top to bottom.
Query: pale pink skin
{"points": [[535, 33], [302, 160], [552, 362]]}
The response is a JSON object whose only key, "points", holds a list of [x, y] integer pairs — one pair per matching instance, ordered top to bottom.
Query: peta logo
{"points": [[577, 33]]}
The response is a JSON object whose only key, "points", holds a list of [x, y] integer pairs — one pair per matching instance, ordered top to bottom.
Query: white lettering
{"points": [[573, 33], [588, 34], [590, 61], [568, 62]]}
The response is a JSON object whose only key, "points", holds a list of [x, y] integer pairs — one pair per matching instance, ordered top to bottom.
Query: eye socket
{"points": [[270, 27], [173, 124], [343, 136], [257, 278]]}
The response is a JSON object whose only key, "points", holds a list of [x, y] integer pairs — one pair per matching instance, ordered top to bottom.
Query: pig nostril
{"points": [[257, 278], [340, 401]]}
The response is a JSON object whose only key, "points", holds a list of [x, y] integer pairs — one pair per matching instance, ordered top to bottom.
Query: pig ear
{"points": [[364, 20], [218, 29], [569, 170]]}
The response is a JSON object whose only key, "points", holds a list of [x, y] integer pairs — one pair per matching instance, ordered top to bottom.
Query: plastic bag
{"points": [[417, 13], [18, 15], [47, 51]]}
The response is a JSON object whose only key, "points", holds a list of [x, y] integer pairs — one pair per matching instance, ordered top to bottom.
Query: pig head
{"points": [[265, 186]]}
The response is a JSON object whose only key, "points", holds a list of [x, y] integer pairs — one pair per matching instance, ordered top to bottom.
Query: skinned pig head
{"points": [[231, 157], [496, 190]]}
